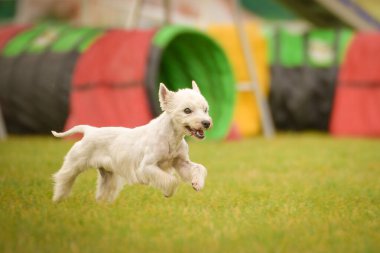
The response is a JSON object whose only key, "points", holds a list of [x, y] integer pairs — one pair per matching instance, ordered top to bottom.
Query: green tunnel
{"points": [[180, 55]]}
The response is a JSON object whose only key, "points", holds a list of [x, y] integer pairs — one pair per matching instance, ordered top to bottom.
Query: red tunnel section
{"points": [[108, 86], [356, 109]]}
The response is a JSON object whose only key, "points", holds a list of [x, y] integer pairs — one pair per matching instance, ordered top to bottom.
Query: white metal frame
{"points": [[265, 114], [3, 130]]}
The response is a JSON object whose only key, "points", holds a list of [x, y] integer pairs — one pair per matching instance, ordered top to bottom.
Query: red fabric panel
{"points": [[8, 32], [117, 57], [362, 62], [109, 82], [109, 107], [356, 108], [356, 112]]}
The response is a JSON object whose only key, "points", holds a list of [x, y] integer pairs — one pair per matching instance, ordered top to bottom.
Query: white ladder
{"points": [[253, 85], [3, 130]]}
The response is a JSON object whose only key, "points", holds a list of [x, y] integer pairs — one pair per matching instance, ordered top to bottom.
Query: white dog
{"points": [[149, 154]]}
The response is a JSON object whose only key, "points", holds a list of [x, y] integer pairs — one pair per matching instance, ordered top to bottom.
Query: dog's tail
{"points": [[77, 129]]}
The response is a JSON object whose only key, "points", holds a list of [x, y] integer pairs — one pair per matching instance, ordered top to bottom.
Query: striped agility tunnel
{"points": [[55, 76]]}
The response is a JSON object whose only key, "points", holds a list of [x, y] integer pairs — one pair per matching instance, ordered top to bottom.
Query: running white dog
{"points": [[150, 154]]}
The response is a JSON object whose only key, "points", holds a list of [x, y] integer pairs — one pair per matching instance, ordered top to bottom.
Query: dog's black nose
{"points": [[206, 123]]}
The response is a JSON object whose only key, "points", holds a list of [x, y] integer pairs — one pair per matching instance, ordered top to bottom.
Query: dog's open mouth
{"points": [[199, 133]]}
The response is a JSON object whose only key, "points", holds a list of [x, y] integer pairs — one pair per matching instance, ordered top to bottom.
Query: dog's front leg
{"points": [[191, 172], [199, 173], [154, 176]]}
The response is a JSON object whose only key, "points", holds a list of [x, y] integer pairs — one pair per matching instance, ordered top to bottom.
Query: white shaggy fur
{"points": [[149, 154]]}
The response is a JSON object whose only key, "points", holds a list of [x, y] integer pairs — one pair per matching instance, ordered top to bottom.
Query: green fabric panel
{"points": [[269, 9], [268, 32], [165, 35], [327, 37], [45, 39], [69, 39], [88, 41], [344, 41], [21, 42], [321, 47], [291, 48], [191, 55]]}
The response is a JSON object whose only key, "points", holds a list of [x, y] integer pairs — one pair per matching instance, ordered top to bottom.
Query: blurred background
{"points": [[263, 65], [304, 72]]}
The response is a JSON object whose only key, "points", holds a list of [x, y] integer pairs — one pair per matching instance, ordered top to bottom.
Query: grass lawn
{"points": [[296, 193]]}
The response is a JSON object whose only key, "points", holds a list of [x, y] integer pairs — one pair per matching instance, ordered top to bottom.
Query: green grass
{"points": [[296, 193]]}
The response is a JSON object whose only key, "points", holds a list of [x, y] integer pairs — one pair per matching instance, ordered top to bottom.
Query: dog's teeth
{"points": [[199, 134]]}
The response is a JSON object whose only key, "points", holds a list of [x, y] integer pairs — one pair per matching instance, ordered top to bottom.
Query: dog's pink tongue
{"points": [[200, 134]]}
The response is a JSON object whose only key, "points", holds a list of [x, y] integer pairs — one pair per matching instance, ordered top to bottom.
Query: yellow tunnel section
{"points": [[246, 114]]}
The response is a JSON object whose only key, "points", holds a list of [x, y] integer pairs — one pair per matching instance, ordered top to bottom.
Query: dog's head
{"points": [[188, 110]]}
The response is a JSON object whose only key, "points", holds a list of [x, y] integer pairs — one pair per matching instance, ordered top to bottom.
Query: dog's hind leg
{"points": [[64, 179], [109, 185]]}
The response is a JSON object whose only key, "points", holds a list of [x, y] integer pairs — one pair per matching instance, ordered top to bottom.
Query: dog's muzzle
{"points": [[199, 133]]}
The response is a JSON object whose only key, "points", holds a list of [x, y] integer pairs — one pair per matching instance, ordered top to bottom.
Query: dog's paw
{"points": [[199, 177], [198, 183], [196, 186]]}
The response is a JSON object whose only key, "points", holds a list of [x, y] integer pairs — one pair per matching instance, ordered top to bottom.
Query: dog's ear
{"points": [[195, 86], [164, 96]]}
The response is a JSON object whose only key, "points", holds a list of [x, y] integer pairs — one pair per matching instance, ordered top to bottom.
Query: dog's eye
{"points": [[206, 110], [187, 111]]}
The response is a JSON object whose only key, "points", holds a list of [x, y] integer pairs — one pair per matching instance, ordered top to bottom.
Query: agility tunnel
{"points": [[6, 34], [37, 67], [304, 69], [55, 76], [356, 108], [246, 114]]}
